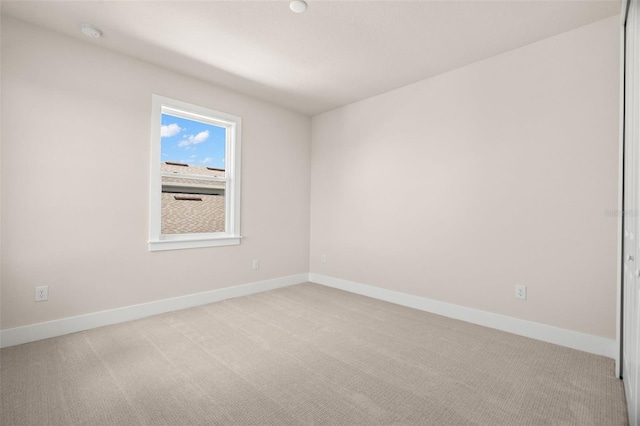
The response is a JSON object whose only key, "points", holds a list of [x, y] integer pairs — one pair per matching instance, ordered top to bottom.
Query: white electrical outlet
{"points": [[323, 258], [256, 264], [521, 292], [42, 293]]}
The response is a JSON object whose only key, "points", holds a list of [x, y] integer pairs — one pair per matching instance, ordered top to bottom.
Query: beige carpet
{"points": [[304, 355]]}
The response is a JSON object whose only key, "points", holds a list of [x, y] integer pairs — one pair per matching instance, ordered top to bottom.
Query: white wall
{"points": [[499, 173], [75, 181]]}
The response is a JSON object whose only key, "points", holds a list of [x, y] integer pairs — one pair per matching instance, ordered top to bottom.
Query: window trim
{"points": [[231, 235]]}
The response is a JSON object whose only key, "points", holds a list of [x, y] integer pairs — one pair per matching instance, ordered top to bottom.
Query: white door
{"points": [[631, 247]]}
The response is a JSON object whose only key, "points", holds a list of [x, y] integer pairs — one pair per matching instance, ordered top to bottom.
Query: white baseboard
{"points": [[45, 330], [571, 339]]}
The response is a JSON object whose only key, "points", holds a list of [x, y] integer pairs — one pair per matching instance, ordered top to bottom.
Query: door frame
{"points": [[621, 158]]}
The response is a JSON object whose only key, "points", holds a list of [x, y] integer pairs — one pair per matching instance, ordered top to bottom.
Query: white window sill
{"points": [[192, 242]]}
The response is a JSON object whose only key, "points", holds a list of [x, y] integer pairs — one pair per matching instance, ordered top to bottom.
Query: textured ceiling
{"points": [[335, 53]]}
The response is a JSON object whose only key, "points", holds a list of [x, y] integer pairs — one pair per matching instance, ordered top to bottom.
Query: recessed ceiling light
{"points": [[298, 6], [90, 31]]}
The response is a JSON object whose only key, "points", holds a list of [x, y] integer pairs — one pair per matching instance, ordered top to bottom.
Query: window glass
{"points": [[192, 147]]}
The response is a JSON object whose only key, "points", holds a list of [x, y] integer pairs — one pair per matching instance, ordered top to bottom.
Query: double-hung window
{"points": [[195, 176]]}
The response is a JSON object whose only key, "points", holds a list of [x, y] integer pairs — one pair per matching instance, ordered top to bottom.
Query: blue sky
{"points": [[192, 142]]}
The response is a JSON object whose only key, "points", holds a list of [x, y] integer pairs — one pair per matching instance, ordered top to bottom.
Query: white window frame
{"points": [[232, 124]]}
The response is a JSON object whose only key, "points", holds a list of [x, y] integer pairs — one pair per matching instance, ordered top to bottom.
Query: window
{"points": [[195, 176]]}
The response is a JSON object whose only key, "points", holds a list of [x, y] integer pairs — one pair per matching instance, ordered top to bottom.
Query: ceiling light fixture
{"points": [[298, 6], [90, 31]]}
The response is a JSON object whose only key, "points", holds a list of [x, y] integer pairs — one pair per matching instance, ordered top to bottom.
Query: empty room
{"points": [[319, 212]]}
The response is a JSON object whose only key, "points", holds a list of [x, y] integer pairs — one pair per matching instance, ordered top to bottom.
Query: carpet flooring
{"points": [[304, 355]]}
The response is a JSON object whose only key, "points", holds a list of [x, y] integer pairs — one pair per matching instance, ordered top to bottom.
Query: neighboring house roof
{"points": [[187, 169], [191, 170], [198, 209]]}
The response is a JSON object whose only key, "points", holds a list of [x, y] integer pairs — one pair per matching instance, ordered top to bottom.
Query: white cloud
{"points": [[170, 130], [201, 137], [192, 140], [207, 160]]}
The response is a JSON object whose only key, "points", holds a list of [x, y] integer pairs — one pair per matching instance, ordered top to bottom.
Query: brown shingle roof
{"points": [[171, 167], [181, 214]]}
